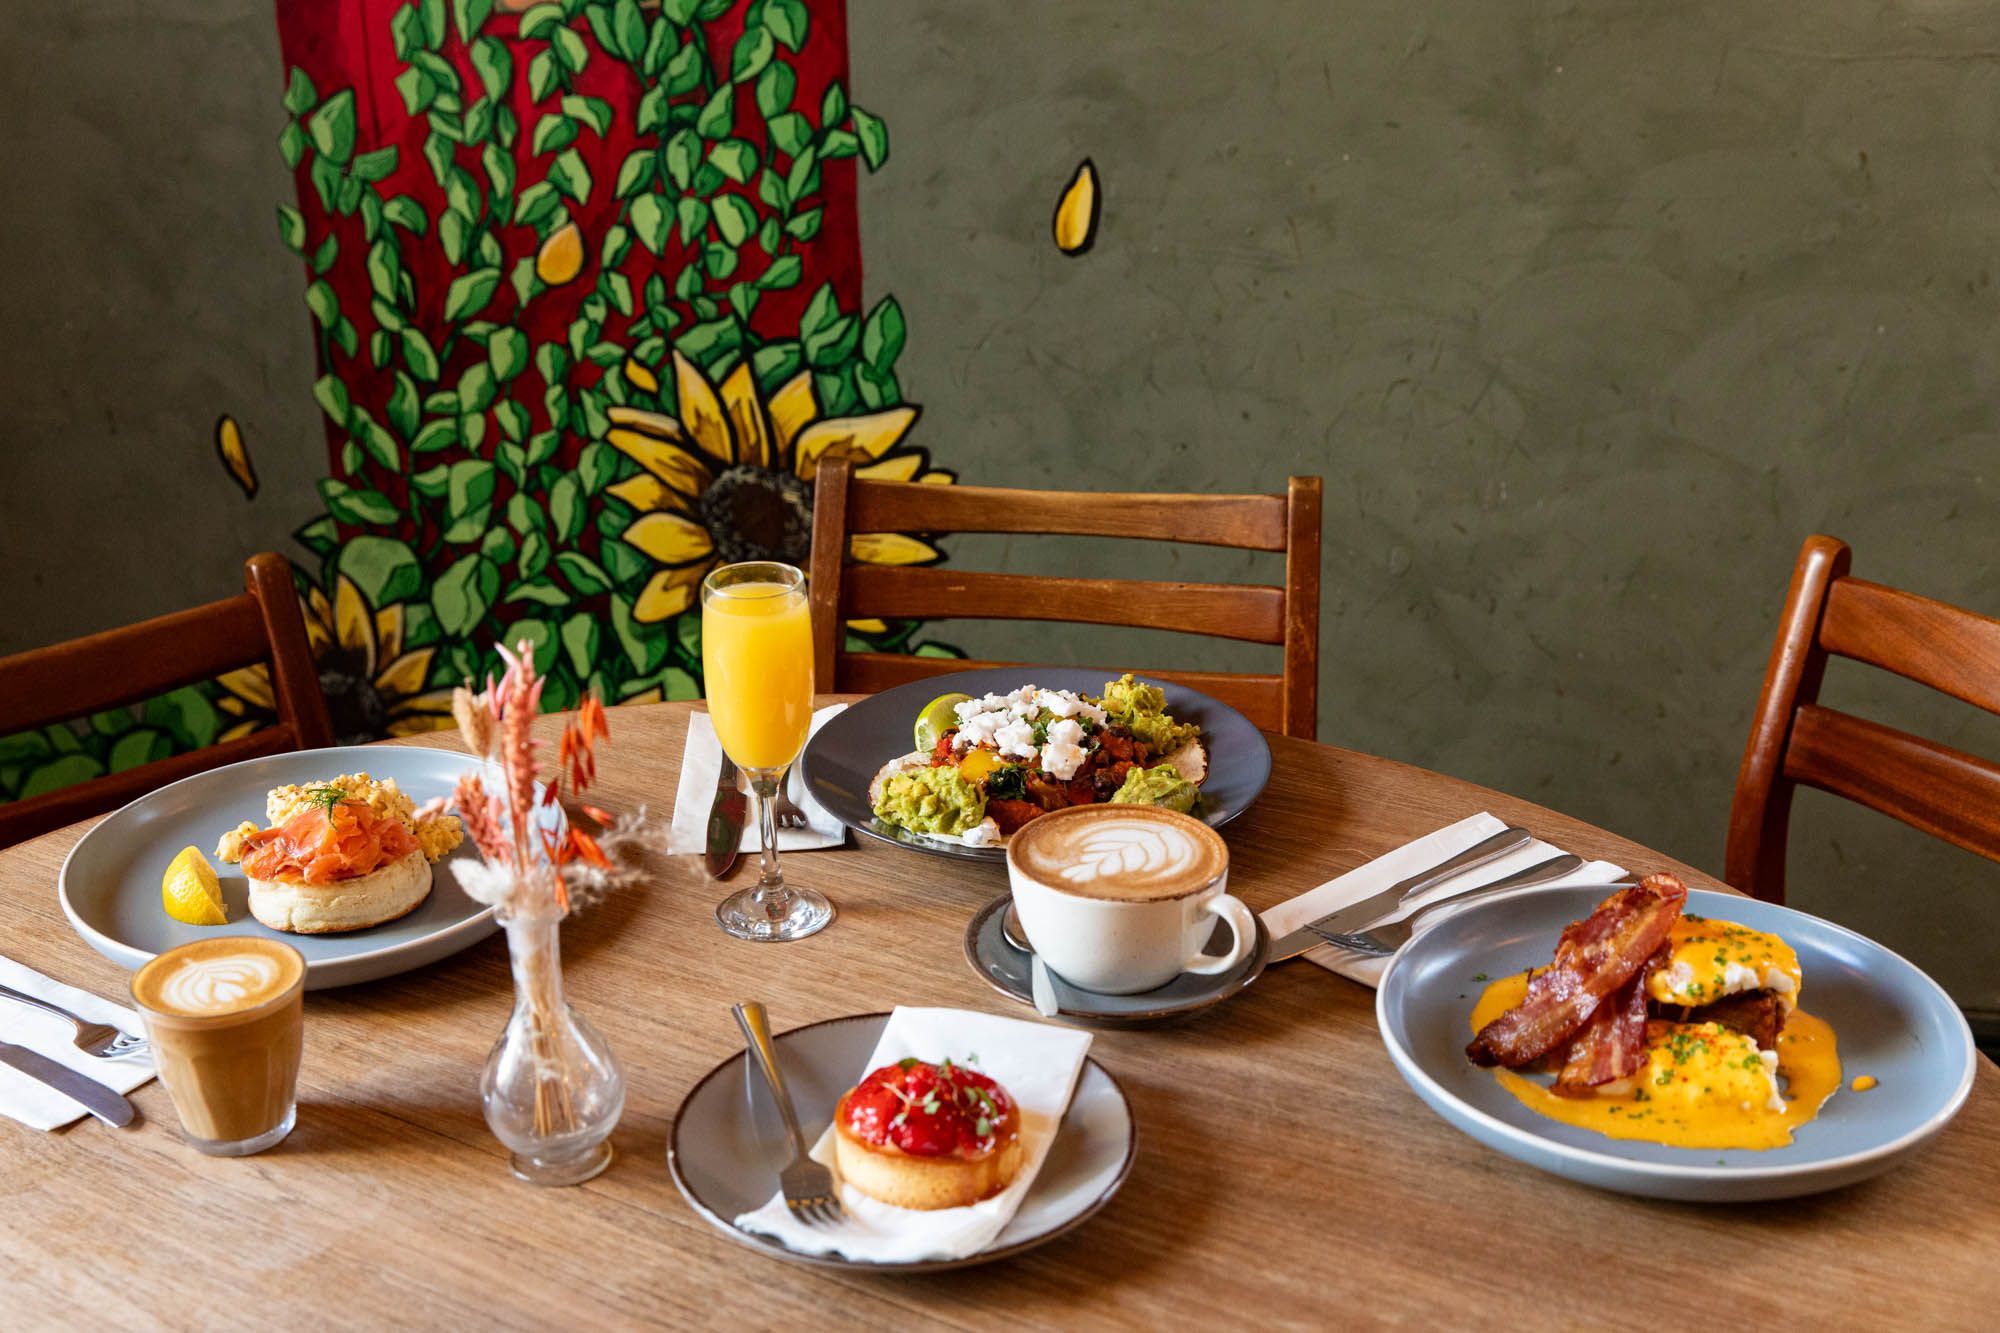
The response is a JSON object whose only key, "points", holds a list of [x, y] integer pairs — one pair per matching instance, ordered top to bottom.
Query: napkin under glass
{"points": [[701, 765], [1414, 858], [1037, 1063], [31, 1101]]}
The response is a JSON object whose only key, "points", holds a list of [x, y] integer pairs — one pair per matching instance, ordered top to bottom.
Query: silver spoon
{"points": [[1039, 985]]}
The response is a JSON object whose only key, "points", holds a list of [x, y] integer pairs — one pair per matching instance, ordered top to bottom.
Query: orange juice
{"points": [[757, 655]]}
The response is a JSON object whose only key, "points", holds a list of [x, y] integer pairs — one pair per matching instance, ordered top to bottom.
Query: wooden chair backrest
{"points": [[1289, 616], [123, 666], [1794, 739]]}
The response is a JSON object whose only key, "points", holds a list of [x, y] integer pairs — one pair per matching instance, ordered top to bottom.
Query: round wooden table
{"points": [[1284, 1172]]}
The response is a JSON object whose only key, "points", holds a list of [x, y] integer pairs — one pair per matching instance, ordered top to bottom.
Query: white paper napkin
{"points": [[701, 764], [1410, 859], [1037, 1063], [31, 1101]]}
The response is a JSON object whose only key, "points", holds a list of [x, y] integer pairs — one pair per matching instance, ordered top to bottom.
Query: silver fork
{"points": [[786, 812], [1381, 941], [98, 1039], [807, 1186]]}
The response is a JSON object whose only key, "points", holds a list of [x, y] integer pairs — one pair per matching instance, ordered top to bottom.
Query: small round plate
{"points": [[844, 756], [110, 882], [1007, 970], [1889, 1020], [727, 1144]]}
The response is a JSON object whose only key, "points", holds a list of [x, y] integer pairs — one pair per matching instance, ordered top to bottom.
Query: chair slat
{"points": [[1247, 522], [1234, 611], [1933, 643], [123, 666], [1258, 697], [1944, 792], [66, 805]]}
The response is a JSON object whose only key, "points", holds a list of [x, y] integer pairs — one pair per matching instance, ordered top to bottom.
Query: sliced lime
{"points": [[939, 716]]}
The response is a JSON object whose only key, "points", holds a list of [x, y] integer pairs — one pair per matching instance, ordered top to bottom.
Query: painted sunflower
{"points": [[730, 479], [373, 686]]}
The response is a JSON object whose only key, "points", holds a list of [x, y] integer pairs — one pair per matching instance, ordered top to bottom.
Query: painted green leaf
{"points": [[680, 11], [433, 16], [537, 21], [787, 21], [629, 28], [661, 42], [569, 49], [752, 53], [495, 66], [683, 71], [541, 75], [775, 87], [418, 90], [299, 92], [833, 107], [594, 111], [718, 114], [332, 126], [553, 131], [791, 132], [874, 136], [838, 143], [292, 144], [682, 153], [734, 158], [377, 165], [636, 171], [568, 174], [500, 175], [802, 179], [537, 205], [406, 213], [693, 216], [734, 218], [649, 220], [805, 226], [292, 228], [454, 231], [617, 242], [329, 250], [783, 272], [523, 280], [619, 287], [469, 292], [743, 300], [325, 306], [821, 311], [882, 337], [832, 344], [381, 346], [507, 353], [417, 354], [776, 362], [475, 393], [331, 395], [403, 405], [513, 419], [435, 435], [381, 445], [543, 445], [350, 458], [512, 460], [596, 465], [357, 505], [566, 506], [524, 514], [320, 536], [498, 546], [535, 559], [384, 569], [583, 574], [463, 593], [541, 637], [580, 638], [643, 647], [186, 714], [66, 771]]}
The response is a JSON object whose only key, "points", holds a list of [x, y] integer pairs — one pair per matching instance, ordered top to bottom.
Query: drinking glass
{"points": [[757, 658]]}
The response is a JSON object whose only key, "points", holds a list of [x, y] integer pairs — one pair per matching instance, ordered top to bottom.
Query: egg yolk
{"points": [[1713, 958]]}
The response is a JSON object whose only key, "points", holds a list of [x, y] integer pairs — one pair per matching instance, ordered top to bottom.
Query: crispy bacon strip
{"points": [[1594, 959], [1612, 1042]]}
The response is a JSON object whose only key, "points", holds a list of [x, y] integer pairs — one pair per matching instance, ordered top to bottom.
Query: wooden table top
{"points": [[1284, 1171]]}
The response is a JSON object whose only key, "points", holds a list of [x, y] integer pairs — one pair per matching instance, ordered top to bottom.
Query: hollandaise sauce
{"points": [[1702, 1086]]}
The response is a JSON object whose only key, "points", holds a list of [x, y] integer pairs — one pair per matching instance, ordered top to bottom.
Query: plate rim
{"points": [[936, 847], [118, 950], [1261, 956], [1432, 1091], [777, 1249]]}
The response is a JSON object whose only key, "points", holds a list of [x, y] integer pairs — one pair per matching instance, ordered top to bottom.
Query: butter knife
{"points": [[725, 822], [1378, 905], [110, 1107]]}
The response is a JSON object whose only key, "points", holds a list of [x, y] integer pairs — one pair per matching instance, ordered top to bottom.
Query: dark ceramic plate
{"points": [[844, 756], [1007, 970], [1889, 1020], [727, 1145]]}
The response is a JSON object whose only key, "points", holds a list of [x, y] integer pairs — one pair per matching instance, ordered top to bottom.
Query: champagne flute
{"points": [[757, 658]]}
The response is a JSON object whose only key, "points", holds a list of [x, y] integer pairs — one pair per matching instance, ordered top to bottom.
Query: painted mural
{"points": [[585, 282]]}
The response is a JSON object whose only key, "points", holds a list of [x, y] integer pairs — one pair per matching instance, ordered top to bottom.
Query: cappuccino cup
{"points": [[1121, 899], [226, 1017]]}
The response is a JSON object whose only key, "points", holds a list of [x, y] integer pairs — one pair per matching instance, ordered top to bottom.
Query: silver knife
{"points": [[725, 822], [1378, 905], [1042, 988], [110, 1107]]}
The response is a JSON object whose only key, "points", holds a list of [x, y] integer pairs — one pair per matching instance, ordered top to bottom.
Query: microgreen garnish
{"points": [[325, 798], [1480, 977], [907, 1063]]}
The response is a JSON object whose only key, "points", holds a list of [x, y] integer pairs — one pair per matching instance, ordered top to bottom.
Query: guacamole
{"points": [[1142, 710], [1159, 785], [931, 800]]}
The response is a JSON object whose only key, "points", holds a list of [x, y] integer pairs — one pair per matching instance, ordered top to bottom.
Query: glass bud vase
{"points": [[552, 1090]]}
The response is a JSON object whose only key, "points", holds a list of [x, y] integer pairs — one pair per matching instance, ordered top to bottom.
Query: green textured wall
{"points": [[1587, 315]]}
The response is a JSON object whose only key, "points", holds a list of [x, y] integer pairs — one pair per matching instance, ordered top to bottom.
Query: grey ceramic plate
{"points": [[844, 756], [110, 883], [1006, 969], [1889, 1020], [727, 1144]]}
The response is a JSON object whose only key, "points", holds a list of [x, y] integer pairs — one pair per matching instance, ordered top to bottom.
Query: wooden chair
{"points": [[1287, 616], [124, 666], [1794, 739]]}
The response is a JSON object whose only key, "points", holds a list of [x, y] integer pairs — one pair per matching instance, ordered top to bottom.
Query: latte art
{"points": [[1134, 853], [219, 985]]}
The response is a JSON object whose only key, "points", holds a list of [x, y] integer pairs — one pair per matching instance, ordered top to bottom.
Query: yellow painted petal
{"points": [[640, 376], [792, 409], [701, 411], [746, 416], [652, 423], [860, 438], [235, 457], [902, 467], [680, 469], [939, 478], [646, 492], [669, 538], [891, 548], [664, 595], [319, 623], [869, 626], [353, 627], [389, 633], [405, 675], [252, 685], [648, 696], [413, 723], [240, 730]]}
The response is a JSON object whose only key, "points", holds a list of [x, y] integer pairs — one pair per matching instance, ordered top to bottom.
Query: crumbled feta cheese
{"points": [[1067, 731], [1016, 738], [1060, 760]]}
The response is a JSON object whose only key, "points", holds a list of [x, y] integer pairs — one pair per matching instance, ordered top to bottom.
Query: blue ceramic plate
{"points": [[844, 756], [110, 882], [1889, 1019]]}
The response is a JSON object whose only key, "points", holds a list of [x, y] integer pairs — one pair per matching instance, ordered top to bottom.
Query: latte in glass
{"points": [[1121, 899], [226, 1018]]}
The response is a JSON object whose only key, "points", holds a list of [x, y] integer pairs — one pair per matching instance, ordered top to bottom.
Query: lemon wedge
{"points": [[938, 717], [190, 892]]}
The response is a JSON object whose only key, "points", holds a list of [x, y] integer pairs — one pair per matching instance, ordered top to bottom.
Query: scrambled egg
{"points": [[436, 832], [1712, 959]]}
